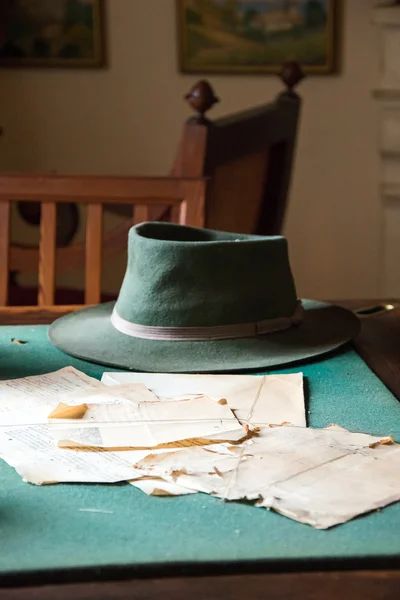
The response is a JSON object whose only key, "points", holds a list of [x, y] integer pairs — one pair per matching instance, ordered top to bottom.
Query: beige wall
{"points": [[127, 118]]}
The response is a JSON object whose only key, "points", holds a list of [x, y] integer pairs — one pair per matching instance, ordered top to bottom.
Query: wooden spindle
{"points": [[192, 209], [175, 212], [183, 213], [141, 214], [4, 249], [47, 254], [94, 254]]}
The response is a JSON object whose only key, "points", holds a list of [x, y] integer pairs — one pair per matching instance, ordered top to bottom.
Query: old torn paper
{"points": [[121, 394], [255, 399], [29, 400], [76, 404], [68, 411], [150, 424], [26, 442], [33, 454], [35, 457], [321, 477], [154, 486], [338, 491]]}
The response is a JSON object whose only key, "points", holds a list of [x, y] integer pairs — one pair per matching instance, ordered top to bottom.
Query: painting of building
{"points": [[258, 36]]}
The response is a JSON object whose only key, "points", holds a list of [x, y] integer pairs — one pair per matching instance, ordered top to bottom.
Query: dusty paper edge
{"points": [[67, 411]]}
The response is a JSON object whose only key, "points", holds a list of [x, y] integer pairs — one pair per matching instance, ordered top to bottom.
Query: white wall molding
{"points": [[387, 93], [391, 191]]}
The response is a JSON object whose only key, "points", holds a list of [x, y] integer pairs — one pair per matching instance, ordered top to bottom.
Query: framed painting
{"points": [[52, 33], [258, 36]]}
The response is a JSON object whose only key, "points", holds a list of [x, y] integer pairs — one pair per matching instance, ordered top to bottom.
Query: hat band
{"points": [[198, 334]]}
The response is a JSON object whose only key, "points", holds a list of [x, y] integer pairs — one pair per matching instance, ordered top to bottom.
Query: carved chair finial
{"points": [[291, 74], [201, 98]]}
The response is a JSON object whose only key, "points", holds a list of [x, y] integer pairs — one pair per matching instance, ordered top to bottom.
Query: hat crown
{"points": [[180, 276]]}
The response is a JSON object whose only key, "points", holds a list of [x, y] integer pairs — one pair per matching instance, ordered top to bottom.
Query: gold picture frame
{"points": [[60, 33], [257, 36]]}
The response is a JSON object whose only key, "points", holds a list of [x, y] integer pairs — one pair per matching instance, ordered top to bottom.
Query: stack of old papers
{"points": [[232, 436]]}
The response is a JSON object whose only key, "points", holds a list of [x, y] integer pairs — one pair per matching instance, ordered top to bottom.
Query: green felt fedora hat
{"points": [[198, 300]]}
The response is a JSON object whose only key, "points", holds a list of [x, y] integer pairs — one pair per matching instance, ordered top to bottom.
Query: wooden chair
{"points": [[247, 159], [184, 197]]}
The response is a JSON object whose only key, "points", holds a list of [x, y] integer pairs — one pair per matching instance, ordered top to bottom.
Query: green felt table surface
{"points": [[42, 528]]}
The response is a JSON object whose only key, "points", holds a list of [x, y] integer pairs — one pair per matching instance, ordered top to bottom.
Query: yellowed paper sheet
{"points": [[120, 394], [29, 400], [255, 400], [93, 405], [65, 411], [149, 424], [27, 444], [33, 454], [318, 477], [158, 487], [338, 491]]}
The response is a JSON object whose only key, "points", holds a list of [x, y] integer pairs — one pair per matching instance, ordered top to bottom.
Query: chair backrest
{"points": [[248, 158], [184, 197]]}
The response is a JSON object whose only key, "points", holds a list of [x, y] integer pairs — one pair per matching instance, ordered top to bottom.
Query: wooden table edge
{"points": [[320, 585]]}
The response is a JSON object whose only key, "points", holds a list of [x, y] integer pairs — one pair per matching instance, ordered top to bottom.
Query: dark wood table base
{"points": [[379, 345], [335, 585]]}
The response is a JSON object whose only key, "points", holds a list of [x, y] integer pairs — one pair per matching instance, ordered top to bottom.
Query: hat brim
{"points": [[89, 334]]}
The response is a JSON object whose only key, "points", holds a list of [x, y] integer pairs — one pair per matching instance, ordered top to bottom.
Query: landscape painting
{"points": [[51, 33], [258, 36]]}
